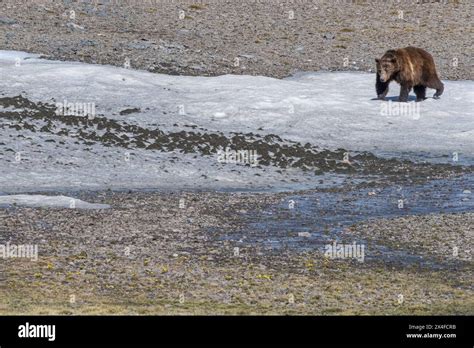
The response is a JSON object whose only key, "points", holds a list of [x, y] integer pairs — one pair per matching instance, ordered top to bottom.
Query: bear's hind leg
{"points": [[438, 85], [439, 90], [404, 91], [420, 92]]}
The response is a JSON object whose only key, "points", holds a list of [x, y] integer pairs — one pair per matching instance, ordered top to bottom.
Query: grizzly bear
{"points": [[411, 67]]}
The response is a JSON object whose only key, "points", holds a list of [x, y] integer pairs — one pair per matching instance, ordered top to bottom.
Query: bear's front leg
{"points": [[381, 87], [404, 91]]}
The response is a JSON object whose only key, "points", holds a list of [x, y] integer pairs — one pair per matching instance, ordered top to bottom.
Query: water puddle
{"points": [[309, 221]]}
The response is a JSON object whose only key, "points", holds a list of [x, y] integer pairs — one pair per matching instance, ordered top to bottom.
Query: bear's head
{"points": [[387, 66]]}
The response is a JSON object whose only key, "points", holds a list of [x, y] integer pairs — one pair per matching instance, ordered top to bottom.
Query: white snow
{"points": [[328, 109], [49, 202]]}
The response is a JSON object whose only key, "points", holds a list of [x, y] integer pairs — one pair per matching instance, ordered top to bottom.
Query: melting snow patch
{"points": [[330, 110], [49, 202]]}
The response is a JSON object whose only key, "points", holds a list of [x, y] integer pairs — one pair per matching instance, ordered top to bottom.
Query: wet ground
{"points": [[352, 187], [310, 220], [147, 253], [150, 255]]}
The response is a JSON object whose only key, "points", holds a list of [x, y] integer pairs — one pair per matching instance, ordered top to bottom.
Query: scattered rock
{"points": [[7, 21], [75, 27], [329, 36], [87, 43], [141, 44], [170, 46], [247, 56], [198, 67], [130, 111], [304, 234]]}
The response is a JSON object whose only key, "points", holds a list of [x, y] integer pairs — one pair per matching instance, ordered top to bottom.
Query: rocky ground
{"points": [[271, 38], [436, 236], [149, 254]]}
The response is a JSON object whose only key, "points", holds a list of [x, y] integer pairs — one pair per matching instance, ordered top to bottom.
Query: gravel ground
{"points": [[271, 38], [444, 237], [146, 255]]}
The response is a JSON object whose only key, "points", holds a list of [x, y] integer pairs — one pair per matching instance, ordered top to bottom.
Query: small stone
{"points": [[7, 21], [74, 27], [329, 36], [87, 43], [140, 44], [247, 56], [198, 67], [304, 234]]}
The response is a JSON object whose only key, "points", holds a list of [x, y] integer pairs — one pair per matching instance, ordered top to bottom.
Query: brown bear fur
{"points": [[411, 67]]}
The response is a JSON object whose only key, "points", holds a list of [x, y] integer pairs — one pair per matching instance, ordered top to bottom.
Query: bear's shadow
{"points": [[396, 98]]}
